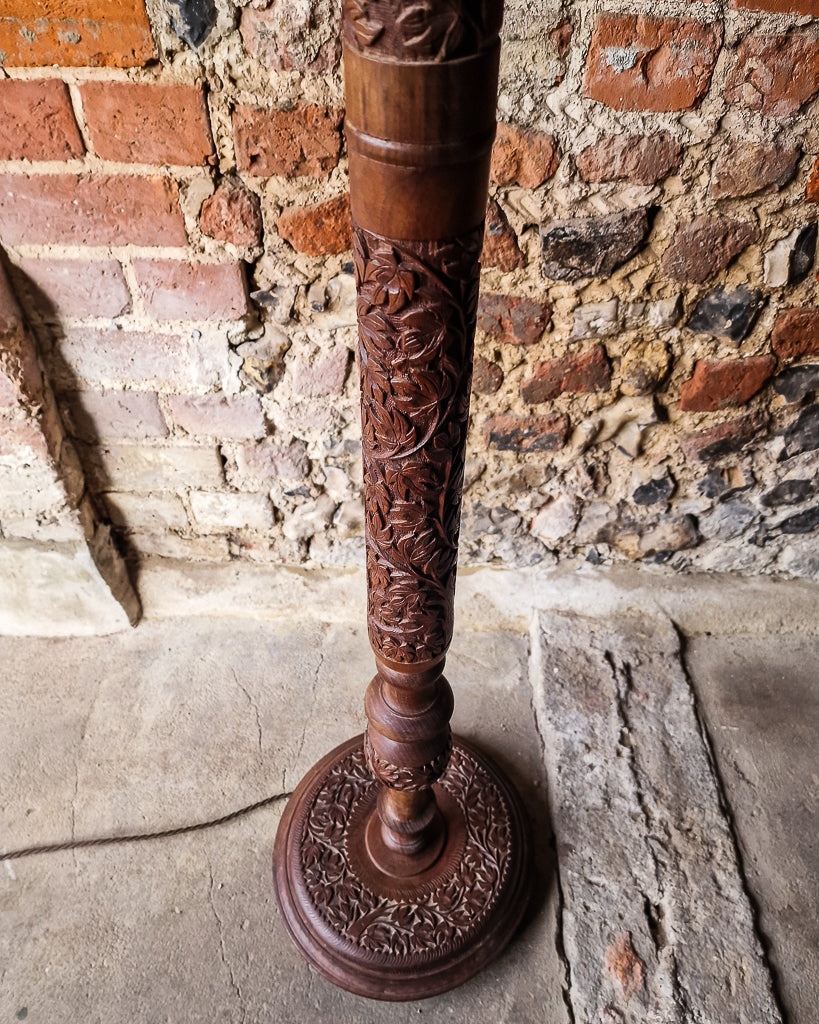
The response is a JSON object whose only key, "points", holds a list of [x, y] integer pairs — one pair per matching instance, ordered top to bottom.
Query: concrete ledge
{"points": [[57, 590], [488, 598]]}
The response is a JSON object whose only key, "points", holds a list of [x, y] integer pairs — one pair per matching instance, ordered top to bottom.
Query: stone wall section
{"points": [[174, 210]]}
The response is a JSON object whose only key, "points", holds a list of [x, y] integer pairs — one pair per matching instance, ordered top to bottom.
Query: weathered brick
{"points": [[810, 7], [107, 33], [283, 37], [643, 63], [775, 74], [37, 121], [139, 122], [303, 140], [522, 158], [642, 159], [744, 167], [812, 187], [74, 209], [232, 214], [319, 229], [500, 243], [592, 246], [706, 246], [74, 287], [176, 290], [10, 313], [512, 319], [796, 333], [112, 357], [575, 372], [324, 376], [487, 376], [21, 381], [718, 383], [113, 415], [228, 417], [527, 433], [725, 438], [259, 465], [141, 467], [217, 511], [150, 513], [208, 548]]}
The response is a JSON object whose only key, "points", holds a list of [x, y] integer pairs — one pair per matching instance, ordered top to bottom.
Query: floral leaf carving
{"points": [[416, 315], [438, 919]]}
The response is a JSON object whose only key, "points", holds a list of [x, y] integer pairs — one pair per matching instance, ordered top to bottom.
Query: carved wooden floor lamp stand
{"points": [[401, 862]]}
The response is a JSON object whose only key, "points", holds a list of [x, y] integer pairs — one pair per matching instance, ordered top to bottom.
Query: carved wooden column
{"points": [[401, 862]]}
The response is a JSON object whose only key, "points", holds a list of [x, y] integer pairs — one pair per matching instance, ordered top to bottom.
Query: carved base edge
{"points": [[401, 939]]}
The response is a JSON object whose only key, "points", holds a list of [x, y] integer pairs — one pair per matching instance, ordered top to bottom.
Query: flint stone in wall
{"points": [[192, 20], [592, 247], [790, 260], [727, 314], [797, 382], [803, 434], [789, 492], [802, 522]]}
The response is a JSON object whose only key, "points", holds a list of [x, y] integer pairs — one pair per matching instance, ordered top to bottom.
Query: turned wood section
{"points": [[401, 864]]}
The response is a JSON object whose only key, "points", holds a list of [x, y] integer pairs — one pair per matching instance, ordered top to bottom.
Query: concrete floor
{"points": [[185, 719]]}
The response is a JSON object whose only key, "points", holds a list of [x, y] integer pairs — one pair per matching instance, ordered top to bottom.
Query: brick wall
{"points": [[174, 213]]}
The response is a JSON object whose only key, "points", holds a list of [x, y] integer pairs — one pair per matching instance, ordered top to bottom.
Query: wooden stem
{"points": [[419, 134], [401, 864]]}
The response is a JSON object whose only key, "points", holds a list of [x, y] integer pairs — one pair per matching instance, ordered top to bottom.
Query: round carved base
{"points": [[387, 937]]}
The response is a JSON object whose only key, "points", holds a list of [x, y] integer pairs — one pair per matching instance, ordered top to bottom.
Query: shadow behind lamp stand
{"points": [[401, 864]]}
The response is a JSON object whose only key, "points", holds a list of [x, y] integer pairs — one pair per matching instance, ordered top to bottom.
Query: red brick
{"points": [[810, 7], [109, 33], [276, 38], [642, 63], [775, 74], [37, 121], [137, 122], [304, 140], [522, 158], [643, 159], [744, 167], [812, 188], [74, 209], [232, 214], [319, 229], [500, 243], [706, 246], [75, 287], [175, 290], [513, 319], [796, 333], [111, 358], [576, 372], [487, 376], [718, 383], [123, 415], [228, 417], [527, 433], [725, 438]]}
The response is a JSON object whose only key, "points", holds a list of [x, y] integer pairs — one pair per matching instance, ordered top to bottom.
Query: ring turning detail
{"points": [[401, 864]]}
